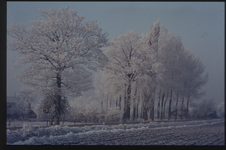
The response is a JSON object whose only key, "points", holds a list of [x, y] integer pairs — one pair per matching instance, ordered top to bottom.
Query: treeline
{"points": [[139, 73], [147, 73]]}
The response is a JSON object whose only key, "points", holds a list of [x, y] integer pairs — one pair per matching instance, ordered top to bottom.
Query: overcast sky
{"points": [[199, 24]]}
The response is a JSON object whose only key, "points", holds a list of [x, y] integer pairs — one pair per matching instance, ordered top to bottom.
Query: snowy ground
{"points": [[35, 124], [205, 132]]}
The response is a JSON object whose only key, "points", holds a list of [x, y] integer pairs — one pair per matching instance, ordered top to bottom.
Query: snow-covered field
{"points": [[35, 124], [205, 132]]}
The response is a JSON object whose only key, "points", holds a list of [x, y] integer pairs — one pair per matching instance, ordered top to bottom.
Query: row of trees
{"points": [[61, 52], [146, 69], [206, 108], [81, 109], [89, 110]]}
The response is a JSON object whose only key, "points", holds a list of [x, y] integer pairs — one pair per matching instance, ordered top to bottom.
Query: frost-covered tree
{"points": [[154, 35], [58, 53], [169, 53], [126, 54], [153, 65], [153, 69], [195, 78], [108, 88], [180, 89], [19, 106], [47, 107], [16, 108], [78, 109], [85, 109], [202, 109], [89, 110], [92, 111], [112, 115]]}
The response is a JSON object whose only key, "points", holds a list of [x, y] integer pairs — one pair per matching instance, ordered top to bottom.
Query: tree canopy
{"points": [[59, 52]]}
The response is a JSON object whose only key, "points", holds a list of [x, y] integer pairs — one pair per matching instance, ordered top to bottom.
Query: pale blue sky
{"points": [[200, 25]]}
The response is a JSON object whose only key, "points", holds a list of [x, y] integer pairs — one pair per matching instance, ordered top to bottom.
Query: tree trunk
{"points": [[171, 95], [58, 101], [107, 101], [125, 101], [128, 101], [116, 102], [120, 102], [134, 104], [102, 105], [145, 105], [150, 105], [165, 105], [162, 106], [137, 107], [176, 107], [187, 107], [145, 108], [182, 108], [134, 109], [141, 109], [158, 109], [137, 111], [134, 112], [152, 112], [145, 113], [57, 114], [126, 114], [145, 117], [63, 120], [74, 120], [51, 121], [9, 122]]}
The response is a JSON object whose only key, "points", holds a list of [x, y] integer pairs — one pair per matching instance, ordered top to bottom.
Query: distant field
{"points": [[19, 124], [36, 124]]}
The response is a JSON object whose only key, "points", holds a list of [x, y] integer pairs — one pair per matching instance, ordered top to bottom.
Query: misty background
{"points": [[199, 24]]}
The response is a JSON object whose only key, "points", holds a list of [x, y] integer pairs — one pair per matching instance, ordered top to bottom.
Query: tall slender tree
{"points": [[126, 55]]}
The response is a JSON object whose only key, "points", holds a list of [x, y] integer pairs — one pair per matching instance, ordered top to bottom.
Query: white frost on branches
{"points": [[59, 46]]}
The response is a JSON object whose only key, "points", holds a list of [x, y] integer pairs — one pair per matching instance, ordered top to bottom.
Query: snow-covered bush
{"points": [[19, 106], [46, 108], [202, 109], [85, 110], [89, 110], [92, 112], [112, 115]]}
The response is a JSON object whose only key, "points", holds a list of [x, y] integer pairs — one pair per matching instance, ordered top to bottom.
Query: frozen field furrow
{"points": [[209, 132], [201, 135]]}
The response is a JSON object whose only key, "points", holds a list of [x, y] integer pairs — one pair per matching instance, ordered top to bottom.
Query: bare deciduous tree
{"points": [[58, 52]]}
